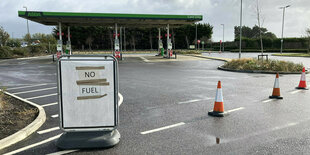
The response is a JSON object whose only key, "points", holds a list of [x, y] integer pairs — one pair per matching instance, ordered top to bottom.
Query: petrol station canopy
{"points": [[108, 19]]}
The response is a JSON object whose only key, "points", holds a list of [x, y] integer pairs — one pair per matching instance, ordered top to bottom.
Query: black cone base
{"points": [[302, 88], [275, 97], [217, 114], [88, 140]]}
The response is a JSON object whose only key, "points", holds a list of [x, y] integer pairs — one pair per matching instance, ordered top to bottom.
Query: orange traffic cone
{"points": [[302, 83], [276, 89], [218, 110]]}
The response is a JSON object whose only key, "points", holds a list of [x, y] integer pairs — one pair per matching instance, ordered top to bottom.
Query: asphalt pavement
{"points": [[165, 109]]}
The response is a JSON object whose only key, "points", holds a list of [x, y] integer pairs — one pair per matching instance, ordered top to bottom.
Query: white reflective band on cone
{"points": [[303, 76], [276, 83], [219, 95]]}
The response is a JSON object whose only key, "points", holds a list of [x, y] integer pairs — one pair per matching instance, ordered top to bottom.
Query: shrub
{"points": [[5, 52], [270, 65]]}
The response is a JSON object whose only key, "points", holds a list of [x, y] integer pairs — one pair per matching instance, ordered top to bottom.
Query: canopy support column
{"points": [[60, 36], [69, 41]]}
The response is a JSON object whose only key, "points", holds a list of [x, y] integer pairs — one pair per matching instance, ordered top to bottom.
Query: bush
{"points": [[5, 52], [20, 52], [270, 65]]}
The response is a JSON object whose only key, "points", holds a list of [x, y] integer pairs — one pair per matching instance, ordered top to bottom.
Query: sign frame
{"points": [[60, 99]]}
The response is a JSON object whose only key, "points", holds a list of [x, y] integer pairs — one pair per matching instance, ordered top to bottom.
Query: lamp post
{"points": [[27, 21], [283, 25], [240, 30], [223, 36]]}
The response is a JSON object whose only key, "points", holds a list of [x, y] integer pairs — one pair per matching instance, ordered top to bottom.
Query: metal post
{"points": [[27, 21], [283, 25], [240, 31], [60, 36], [223, 36], [196, 37], [115, 39], [125, 39], [69, 40], [158, 41], [121, 42], [168, 55]]}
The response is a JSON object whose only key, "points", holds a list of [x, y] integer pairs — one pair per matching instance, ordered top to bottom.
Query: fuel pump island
{"points": [[88, 84]]}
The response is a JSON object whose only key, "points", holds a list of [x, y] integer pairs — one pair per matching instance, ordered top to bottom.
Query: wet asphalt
{"points": [[167, 93]]}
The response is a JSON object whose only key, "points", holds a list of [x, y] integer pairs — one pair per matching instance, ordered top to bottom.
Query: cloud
{"points": [[215, 12]]}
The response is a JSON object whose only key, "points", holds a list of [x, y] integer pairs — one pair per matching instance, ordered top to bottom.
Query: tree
{"points": [[4, 36]]}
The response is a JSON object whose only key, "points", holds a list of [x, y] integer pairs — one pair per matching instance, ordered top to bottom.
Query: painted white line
{"points": [[144, 59], [29, 86], [36, 90], [296, 91], [41, 96], [121, 99], [267, 100], [189, 101], [50, 104], [232, 110], [54, 116], [162, 128], [48, 130], [33, 145], [62, 152]]}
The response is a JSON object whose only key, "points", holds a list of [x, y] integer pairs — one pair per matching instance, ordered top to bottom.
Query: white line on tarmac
{"points": [[144, 59], [30, 86], [36, 90], [296, 91], [41, 96], [121, 99], [194, 100], [267, 100], [50, 104], [232, 110], [54, 116], [162, 128], [48, 130], [33, 145], [62, 152]]}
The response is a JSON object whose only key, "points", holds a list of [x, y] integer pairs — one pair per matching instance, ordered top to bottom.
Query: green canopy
{"points": [[108, 19]]}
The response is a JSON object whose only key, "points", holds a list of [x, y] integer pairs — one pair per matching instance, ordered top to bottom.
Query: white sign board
{"points": [[169, 44], [59, 45], [116, 46], [88, 93]]}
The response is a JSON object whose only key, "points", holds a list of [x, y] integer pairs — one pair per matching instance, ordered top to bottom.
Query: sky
{"points": [[215, 12]]}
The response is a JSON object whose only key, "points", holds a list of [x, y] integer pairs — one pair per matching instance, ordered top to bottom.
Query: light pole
{"points": [[27, 21], [283, 25], [240, 30], [223, 36], [196, 37]]}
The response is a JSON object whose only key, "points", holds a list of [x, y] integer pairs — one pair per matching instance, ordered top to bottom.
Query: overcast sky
{"points": [[215, 12]]}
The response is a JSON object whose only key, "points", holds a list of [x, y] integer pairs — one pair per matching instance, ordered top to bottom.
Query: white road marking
{"points": [[144, 59], [29, 86], [36, 90], [296, 91], [41, 96], [121, 99], [194, 100], [267, 100], [190, 101], [50, 104], [232, 110], [54, 116], [162, 128], [48, 130], [33, 145], [62, 152]]}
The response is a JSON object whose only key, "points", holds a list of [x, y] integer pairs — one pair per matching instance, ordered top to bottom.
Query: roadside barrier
{"points": [[302, 83], [276, 89], [218, 110]]}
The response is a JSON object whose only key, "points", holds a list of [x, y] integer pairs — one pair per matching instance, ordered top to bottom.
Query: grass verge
{"points": [[293, 55], [252, 64]]}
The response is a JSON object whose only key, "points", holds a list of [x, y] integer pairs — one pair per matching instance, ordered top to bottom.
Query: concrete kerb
{"points": [[213, 58], [28, 130]]}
